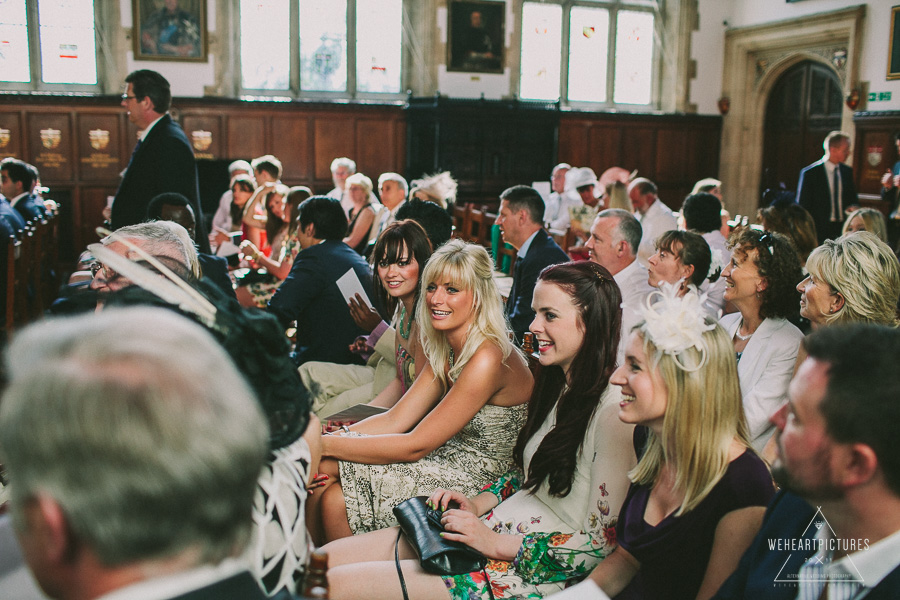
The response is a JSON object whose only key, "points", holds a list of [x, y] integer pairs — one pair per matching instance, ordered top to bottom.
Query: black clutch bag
{"points": [[422, 527]]}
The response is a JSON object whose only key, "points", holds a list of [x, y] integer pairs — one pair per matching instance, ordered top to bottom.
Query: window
{"points": [[47, 42], [321, 47], [598, 53]]}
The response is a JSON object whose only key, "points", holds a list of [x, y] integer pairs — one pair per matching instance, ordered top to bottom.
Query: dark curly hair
{"points": [[777, 262], [595, 293]]}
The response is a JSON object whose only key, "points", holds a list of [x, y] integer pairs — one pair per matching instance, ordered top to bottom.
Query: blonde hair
{"points": [[362, 181], [617, 194], [873, 221], [469, 267], [862, 269], [704, 414]]}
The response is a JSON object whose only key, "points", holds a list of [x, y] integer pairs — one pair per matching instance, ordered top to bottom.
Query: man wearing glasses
{"points": [[162, 161]]}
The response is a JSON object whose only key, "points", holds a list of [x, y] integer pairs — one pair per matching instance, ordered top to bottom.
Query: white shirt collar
{"points": [[144, 133], [15, 200], [524, 249], [622, 276], [873, 563], [178, 584]]}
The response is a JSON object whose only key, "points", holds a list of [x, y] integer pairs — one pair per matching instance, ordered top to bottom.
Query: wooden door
{"points": [[804, 106]]}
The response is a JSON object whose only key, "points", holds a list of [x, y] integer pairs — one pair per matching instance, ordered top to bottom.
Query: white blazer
{"points": [[765, 371]]}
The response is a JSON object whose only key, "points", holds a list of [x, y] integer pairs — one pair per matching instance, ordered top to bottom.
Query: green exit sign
{"points": [[879, 96]]}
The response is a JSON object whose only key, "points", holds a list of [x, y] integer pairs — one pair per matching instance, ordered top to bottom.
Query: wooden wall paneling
{"points": [[204, 132], [246, 136], [335, 136], [11, 142], [574, 142], [50, 145], [376, 147], [536, 147], [604, 147], [99, 148], [292, 148], [639, 150], [878, 153], [671, 156], [87, 210]]}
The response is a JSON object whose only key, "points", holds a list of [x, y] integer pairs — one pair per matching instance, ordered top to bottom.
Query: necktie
{"points": [[836, 212]]}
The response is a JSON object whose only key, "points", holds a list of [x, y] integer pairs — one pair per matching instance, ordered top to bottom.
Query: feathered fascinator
{"points": [[440, 186], [675, 324], [253, 339]]}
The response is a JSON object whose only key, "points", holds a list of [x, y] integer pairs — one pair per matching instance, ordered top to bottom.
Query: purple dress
{"points": [[674, 553]]}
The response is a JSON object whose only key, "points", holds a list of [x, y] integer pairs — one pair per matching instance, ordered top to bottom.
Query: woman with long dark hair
{"points": [[281, 229], [553, 517]]}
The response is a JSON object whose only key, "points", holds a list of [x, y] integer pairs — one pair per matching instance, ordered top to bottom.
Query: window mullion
{"points": [[34, 44], [351, 48], [564, 54], [611, 56], [294, 83]]}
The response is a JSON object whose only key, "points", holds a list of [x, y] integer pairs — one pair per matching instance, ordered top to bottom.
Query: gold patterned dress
{"points": [[473, 458]]}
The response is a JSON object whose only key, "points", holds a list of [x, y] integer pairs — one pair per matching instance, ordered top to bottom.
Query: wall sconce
{"points": [[853, 99], [724, 104]]}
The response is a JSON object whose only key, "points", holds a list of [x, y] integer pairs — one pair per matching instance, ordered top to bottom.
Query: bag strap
{"points": [[397, 562], [403, 581]]}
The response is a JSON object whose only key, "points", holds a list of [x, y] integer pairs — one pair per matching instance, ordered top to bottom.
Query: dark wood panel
{"points": [[205, 134], [10, 135], [246, 136], [333, 137], [874, 141], [573, 142], [605, 142], [50, 145], [293, 146], [98, 147], [376, 147], [639, 150], [671, 158], [89, 213]]}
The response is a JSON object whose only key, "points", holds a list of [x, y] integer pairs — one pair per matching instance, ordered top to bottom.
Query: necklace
{"points": [[405, 334], [738, 335], [452, 359]]}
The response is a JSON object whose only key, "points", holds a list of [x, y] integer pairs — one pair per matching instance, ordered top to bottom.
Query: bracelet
{"points": [[345, 429]]}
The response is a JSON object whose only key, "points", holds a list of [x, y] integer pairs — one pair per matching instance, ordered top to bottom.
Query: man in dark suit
{"points": [[162, 161], [16, 182], [826, 188], [521, 220], [310, 294], [146, 518], [836, 521]]}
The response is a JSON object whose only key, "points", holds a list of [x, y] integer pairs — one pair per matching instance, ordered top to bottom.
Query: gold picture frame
{"points": [[170, 30]]}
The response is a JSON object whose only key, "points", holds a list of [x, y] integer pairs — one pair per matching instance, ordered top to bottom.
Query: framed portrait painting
{"points": [[170, 30], [476, 36], [893, 70]]}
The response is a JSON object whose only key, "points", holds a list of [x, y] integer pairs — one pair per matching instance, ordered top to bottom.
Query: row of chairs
{"points": [[31, 264]]}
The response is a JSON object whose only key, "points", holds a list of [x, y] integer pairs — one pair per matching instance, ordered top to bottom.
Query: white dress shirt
{"points": [[656, 221], [632, 282]]}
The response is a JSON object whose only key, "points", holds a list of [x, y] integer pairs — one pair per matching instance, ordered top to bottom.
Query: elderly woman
{"points": [[362, 215], [866, 219], [853, 278], [760, 282]]}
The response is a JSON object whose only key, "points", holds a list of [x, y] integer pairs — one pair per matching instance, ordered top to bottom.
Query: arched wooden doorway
{"points": [[804, 106]]}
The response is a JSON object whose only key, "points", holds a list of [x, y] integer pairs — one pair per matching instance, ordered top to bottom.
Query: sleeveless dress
{"points": [[265, 288], [470, 460], [565, 538]]}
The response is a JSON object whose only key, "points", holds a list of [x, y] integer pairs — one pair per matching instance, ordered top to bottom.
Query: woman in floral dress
{"points": [[455, 426], [552, 519]]}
